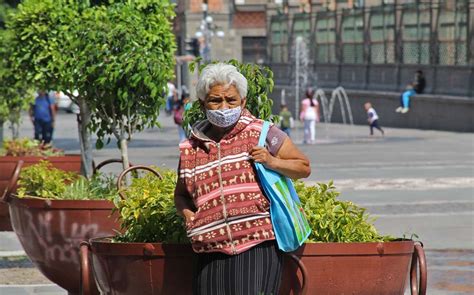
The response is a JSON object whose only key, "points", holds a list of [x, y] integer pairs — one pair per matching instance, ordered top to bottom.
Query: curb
{"points": [[12, 253], [44, 289]]}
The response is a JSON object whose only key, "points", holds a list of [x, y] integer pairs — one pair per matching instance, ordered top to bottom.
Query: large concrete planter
{"points": [[7, 166], [50, 232]]}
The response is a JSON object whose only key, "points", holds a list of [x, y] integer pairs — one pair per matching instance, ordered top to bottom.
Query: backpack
{"points": [[178, 116]]}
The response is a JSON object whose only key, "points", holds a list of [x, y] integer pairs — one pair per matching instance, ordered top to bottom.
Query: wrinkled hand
{"points": [[262, 155], [189, 216]]}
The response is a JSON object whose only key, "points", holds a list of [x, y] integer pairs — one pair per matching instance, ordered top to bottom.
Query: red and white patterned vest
{"points": [[232, 212]]}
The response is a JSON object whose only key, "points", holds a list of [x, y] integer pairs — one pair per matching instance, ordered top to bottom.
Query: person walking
{"points": [[171, 97], [42, 114], [178, 114], [309, 115], [373, 118], [286, 119], [219, 194]]}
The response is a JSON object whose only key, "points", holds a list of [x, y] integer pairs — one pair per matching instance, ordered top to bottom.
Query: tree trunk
{"points": [[15, 119], [83, 119], [15, 127], [1, 132], [124, 152], [126, 163]]}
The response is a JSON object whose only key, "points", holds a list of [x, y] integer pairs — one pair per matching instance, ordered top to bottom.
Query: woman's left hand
{"points": [[262, 155]]}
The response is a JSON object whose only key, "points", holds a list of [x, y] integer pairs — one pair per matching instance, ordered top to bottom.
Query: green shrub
{"points": [[28, 147], [42, 180], [99, 187], [148, 213], [333, 220]]}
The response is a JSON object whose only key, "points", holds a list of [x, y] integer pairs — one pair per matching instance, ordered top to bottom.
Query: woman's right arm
{"points": [[183, 202]]}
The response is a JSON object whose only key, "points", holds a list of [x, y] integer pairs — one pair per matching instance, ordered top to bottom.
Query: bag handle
{"points": [[263, 133]]}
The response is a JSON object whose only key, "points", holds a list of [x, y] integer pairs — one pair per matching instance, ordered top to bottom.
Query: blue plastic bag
{"points": [[289, 221]]}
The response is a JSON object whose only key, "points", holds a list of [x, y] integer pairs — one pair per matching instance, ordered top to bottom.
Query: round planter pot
{"points": [[7, 166], [51, 231], [138, 268], [327, 268], [357, 268]]}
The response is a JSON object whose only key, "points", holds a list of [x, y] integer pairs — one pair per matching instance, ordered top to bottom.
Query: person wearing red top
{"points": [[227, 215]]}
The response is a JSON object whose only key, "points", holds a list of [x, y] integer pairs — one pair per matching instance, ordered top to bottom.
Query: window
{"points": [[452, 35], [382, 36], [416, 36], [325, 38], [353, 38], [279, 39], [254, 49]]}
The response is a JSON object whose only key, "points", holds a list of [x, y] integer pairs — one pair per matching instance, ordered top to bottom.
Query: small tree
{"points": [[117, 56], [126, 56], [14, 94]]}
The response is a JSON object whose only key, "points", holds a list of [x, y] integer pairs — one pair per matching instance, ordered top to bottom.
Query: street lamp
{"points": [[207, 31]]}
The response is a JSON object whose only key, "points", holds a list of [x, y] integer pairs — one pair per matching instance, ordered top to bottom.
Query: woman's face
{"points": [[222, 97]]}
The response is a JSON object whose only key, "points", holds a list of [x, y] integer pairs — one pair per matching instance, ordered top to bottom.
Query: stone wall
{"points": [[435, 112]]}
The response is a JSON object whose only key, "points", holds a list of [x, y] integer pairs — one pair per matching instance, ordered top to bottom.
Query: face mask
{"points": [[223, 118]]}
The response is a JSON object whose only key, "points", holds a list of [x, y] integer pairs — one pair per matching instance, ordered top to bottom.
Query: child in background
{"points": [[373, 118], [286, 120]]}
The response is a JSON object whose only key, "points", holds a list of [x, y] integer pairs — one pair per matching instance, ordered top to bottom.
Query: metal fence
{"points": [[380, 48]]}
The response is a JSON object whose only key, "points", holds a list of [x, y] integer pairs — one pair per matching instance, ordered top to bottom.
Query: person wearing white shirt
{"points": [[373, 118]]}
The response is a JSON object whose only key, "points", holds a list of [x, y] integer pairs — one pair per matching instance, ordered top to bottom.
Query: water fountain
{"points": [[339, 94]]}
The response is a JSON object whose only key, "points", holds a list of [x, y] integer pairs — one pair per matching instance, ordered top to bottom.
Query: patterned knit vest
{"points": [[232, 212]]}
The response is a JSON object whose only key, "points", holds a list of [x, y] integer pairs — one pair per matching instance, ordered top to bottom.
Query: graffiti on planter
{"points": [[58, 245]]}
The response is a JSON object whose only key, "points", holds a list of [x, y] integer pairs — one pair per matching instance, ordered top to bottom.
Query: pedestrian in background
{"points": [[419, 82], [417, 87], [171, 97], [42, 114], [178, 114], [309, 115], [373, 118], [286, 119]]}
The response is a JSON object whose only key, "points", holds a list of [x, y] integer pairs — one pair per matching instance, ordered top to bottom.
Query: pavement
{"points": [[413, 181]]}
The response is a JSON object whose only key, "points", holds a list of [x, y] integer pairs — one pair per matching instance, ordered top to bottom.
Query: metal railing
{"points": [[380, 48]]}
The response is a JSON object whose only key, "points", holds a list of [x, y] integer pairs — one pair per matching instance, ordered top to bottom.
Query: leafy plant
{"points": [[118, 55], [260, 85], [14, 90], [28, 147], [42, 180], [98, 187], [148, 213], [333, 220]]}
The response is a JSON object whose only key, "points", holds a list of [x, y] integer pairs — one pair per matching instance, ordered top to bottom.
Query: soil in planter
{"points": [[19, 270]]}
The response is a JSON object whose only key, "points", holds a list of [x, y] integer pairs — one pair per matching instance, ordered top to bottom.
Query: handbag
{"points": [[289, 221]]}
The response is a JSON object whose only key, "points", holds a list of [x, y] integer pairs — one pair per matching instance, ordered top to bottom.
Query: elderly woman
{"points": [[218, 192]]}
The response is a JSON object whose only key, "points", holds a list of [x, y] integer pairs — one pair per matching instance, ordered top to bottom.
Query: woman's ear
{"points": [[244, 102]]}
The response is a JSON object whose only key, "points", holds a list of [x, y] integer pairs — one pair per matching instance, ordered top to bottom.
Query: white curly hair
{"points": [[220, 74]]}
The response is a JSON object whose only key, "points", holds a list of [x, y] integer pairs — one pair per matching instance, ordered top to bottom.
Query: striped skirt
{"points": [[256, 271]]}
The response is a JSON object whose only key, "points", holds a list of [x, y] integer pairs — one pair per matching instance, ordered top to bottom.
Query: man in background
{"points": [[42, 113]]}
